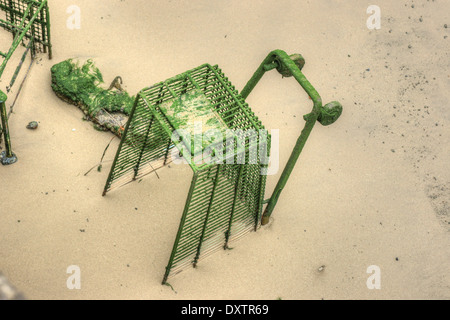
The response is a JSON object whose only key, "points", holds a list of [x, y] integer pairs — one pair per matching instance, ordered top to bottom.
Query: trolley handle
{"points": [[289, 66]]}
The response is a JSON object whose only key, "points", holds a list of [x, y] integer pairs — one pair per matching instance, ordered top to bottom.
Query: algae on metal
{"points": [[80, 84], [191, 113], [226, 198]]}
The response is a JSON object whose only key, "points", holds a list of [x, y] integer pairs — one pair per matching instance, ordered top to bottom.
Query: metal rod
{"points": [[25, 14], [47, 16], [12, 18], [43, 29], [33, 33], [274, 59], [19, 67], [20, 87], [4, 116], [167, 152], [7, 157], [136, 169], [288, 169], [110, 176], [263, 179], [216, 182], [261, 189], [236, 192], [180, 228]]}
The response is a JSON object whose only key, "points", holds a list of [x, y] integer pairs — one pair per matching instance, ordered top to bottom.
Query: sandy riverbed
{"points": [[372, 189]]}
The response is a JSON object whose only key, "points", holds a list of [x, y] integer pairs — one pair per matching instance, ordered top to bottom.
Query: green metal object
{"points": [[26, 20], [291, 66], [19, 67], [7, 157], [226, 196], [224, 200]]}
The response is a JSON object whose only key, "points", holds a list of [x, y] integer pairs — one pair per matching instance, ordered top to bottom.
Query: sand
{"points": [[371, 189]]}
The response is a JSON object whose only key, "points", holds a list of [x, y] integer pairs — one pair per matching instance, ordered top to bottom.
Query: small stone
{"points": [[32, 125]]}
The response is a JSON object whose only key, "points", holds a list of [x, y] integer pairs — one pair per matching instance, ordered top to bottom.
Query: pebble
{"points": [[32, 125]]}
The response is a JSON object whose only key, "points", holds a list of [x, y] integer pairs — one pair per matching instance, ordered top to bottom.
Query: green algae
{"points": [[80, 84], [329, 113], [193, 114]]}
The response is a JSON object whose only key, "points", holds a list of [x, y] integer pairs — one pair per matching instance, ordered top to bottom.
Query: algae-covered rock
{"points": [[79, 83]]}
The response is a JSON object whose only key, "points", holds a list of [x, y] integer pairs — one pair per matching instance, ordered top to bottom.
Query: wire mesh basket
{"points": [[202, 114]]}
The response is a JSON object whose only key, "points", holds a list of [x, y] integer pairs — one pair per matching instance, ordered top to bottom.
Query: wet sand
{"points": [[371, 189]]}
